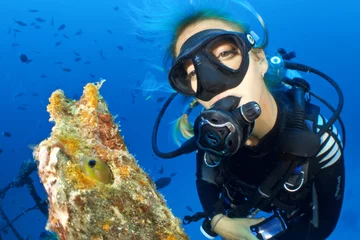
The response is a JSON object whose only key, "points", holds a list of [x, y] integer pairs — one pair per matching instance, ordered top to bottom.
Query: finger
{"points": [[254, 221], [250, 236]]}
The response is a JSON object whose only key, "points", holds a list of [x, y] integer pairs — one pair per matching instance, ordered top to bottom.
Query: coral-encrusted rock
{"points": [[96, 190]]}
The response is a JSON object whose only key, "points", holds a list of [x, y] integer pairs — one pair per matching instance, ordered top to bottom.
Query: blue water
{"points": [[323, 34]]}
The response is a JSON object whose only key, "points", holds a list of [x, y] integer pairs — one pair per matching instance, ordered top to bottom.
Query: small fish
{"points": [[116, 8], [33, 10], [39, 19], [52, 21], [21, 23], [33, 24], [37, 27], [61, 27], [16, 30], [109, 31], [78, 33], [56, 34], [65, 36], [57, 43], [15, 45], [120, 48], [77, 54], [102, 56], [24, 58], [78, 59], [58, 62], [87, 62], [66, 69], [92, 75], [43, 76], [35, 94], [19, 95], [148, 97], [160, 99], [22, 108], [6, 134], [1, 151], [97, 170], [161, 171], [173, 174], [162, 182], [189, 209]]}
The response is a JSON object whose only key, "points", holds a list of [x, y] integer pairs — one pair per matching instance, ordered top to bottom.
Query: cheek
{"points": [[251, 87]]}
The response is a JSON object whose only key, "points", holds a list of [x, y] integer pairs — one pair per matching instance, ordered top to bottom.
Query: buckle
{"points": [[295, 182]]}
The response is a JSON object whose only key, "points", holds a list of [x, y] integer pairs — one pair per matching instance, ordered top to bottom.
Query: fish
{"points": [[116, 8], [33, 10], [39, 19], [52, 21], [21, 23], [33, 24], [37, 27], [61, 27], [16, 30], [109, 31], [78, 33], [56, 34], [65, 36], [57, 43], [15, 45], [120, 48], [77, 54], [102, 56], [24, 59], [78, 59], [58, 62], [87, 62], [66, 69], [43, 76], [19, 95], [160, 99], [6, 134], [1, 151], [97, 170], [161, 171], [162, 182], [189, 209]]}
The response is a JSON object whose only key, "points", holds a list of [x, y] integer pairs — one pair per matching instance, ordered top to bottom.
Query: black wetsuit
{"points": [[251, 165]]}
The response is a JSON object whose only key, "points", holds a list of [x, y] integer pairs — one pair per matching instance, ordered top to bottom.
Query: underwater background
{"points": [[46, 45]]}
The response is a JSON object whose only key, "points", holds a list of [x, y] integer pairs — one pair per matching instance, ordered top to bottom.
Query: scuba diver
{"points": [[261, 145]]}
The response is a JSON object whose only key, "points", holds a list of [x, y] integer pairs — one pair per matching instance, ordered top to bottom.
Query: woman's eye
{"points": [[228, 54], [190, 75]]}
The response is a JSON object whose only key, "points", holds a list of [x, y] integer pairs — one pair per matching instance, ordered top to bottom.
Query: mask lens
{"points": [[226, 52], [181, 76]]}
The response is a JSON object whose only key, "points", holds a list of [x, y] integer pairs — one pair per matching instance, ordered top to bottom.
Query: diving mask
{"points": [[213, 74]]}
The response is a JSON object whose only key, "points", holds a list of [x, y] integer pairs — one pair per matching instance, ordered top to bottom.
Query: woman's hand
{"points": [[235, 228]]}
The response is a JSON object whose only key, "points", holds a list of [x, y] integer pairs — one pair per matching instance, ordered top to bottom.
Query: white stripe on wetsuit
{"points": [[335, 152]]}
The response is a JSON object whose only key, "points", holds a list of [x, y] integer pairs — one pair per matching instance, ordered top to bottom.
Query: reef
{"points": [[95, 187]]}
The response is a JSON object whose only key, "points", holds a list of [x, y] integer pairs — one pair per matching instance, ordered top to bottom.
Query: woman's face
{"points": [[251, 88]]}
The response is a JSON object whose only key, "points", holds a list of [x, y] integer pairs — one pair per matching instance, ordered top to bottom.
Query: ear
{"points": [[260, 57]]}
